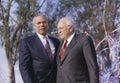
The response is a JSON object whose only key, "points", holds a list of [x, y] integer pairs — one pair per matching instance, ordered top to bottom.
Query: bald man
{"points": [[76, 60]]}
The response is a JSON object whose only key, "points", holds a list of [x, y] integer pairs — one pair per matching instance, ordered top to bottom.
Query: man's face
{"points": [[41, 25], [64, 31]]}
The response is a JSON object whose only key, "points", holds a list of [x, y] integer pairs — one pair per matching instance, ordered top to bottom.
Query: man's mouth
{"points": [[42, 27]]}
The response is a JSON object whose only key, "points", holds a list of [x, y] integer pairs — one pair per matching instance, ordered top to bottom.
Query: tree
{"points": [[88, 15], [13, 25]]}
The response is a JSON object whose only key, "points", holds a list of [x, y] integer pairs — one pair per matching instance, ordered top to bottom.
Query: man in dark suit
{"points": [[37, 54], [77, 63]]}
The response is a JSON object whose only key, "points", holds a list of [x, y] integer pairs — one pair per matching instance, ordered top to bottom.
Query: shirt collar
{"points": [[41, 36], [70, 38]]}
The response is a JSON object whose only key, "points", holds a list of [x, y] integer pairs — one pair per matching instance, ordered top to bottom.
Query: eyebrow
{"points": [[41, 22], [60, 27]]}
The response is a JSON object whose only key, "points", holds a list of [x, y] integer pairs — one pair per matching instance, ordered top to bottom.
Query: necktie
{"points": [[47, 46], [62, 51]]}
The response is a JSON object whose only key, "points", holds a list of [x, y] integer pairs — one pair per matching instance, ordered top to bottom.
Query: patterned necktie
{"points": [[47, 46], [62, 50]]}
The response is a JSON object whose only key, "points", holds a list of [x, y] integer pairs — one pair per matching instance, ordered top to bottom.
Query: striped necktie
{"points": [[47, 46]]}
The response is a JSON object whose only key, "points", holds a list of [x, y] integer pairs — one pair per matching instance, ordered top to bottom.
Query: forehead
{"points": [[40, 19], [61, 24]]}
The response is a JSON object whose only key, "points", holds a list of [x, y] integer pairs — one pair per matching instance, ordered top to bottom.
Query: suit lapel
{"points": [[39, 47], [69, 47], [58, 59]]}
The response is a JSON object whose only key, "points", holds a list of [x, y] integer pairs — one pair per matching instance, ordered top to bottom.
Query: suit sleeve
{"points": [[91, 60], [24, 62]]}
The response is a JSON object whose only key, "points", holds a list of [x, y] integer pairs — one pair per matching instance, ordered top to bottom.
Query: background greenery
{"points": [[96, 17]]}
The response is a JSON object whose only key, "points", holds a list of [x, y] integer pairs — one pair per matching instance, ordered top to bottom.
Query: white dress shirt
{"points": [[42, 38]]}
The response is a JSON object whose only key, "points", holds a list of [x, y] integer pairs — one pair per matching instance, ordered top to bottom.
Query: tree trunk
{"points": [[11, 73]]}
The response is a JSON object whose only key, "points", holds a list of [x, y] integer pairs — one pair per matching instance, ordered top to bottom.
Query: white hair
{"points": [[68, 21]]}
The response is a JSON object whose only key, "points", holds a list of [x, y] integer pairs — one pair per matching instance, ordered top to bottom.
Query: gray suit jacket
{"points": [[79, 64]]}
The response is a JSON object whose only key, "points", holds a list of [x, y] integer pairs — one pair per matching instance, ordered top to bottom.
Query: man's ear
{"points": [[71, 29]]}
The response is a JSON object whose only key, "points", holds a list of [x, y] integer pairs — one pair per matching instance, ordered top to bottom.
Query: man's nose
{"points": [[41, 24], [58, 30]]}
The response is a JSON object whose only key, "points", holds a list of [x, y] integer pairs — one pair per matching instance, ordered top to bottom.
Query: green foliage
{"points": [[25, 8], [88, 15]]}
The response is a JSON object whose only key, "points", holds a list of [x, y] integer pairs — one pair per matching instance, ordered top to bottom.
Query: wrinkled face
{"points": [[40, 25], [64, 31]]}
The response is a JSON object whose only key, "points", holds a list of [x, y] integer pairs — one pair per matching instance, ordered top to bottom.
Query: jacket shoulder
{"points": [[84, 36], [28, 38], [54, 39]]}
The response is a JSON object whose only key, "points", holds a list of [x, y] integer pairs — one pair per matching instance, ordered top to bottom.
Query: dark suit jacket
{"points": [[34, 63], [79, 63]]}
